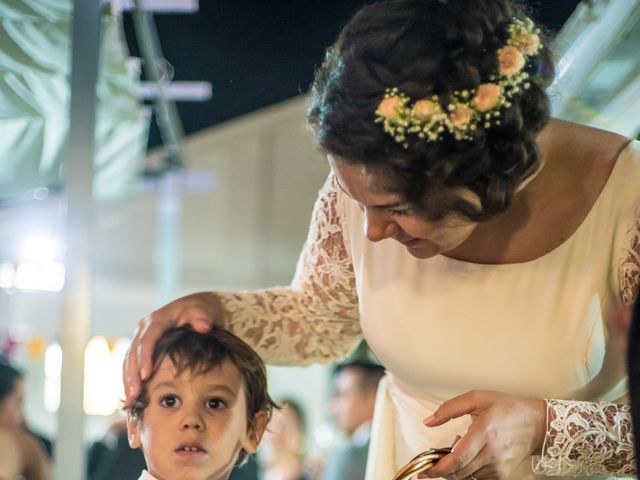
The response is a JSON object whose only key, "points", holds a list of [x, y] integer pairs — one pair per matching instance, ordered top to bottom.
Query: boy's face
{"points": [[195, 426]]}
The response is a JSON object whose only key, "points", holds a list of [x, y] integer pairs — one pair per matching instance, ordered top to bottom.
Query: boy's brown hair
{"points": [[201, 353]]}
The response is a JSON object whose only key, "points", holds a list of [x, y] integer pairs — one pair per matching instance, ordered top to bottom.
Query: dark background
{"points": [[256, 53]]}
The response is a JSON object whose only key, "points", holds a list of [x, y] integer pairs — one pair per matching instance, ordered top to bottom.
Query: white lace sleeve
{"points": [[315, 319], [587, 438]]}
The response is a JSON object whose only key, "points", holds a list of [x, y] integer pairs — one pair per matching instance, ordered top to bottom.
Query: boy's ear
{"points": [[256, 431], [133, 432]]}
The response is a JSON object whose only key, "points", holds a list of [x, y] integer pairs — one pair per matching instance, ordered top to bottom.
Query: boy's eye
{"points": [[169, 401], [215, 403]]}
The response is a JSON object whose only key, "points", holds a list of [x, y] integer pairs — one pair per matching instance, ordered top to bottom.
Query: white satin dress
{"points": [[443, 327]]}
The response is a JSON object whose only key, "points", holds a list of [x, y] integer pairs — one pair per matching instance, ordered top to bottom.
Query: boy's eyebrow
{"points": [[168, 383], [211, 387], [226, 388]]}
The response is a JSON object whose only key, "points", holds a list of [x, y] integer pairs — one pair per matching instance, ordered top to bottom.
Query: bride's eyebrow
{"points": [[379, 206]]}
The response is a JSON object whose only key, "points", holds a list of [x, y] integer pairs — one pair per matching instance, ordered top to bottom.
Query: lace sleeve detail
{"points": [[629, 267], [315, 319], [587, 438]]}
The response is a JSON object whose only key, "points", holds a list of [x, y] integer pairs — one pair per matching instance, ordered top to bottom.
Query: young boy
{"points": [[204, 408]]}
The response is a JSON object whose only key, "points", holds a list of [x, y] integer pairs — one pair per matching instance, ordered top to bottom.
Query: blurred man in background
{"points": [[353, 399], [21, 453]]}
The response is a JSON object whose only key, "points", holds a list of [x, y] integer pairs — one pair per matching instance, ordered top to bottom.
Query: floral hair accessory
{"points": [[469, 109]]}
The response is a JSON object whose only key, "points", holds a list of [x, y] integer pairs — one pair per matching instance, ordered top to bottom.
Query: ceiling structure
{"points": [[256, 54]]}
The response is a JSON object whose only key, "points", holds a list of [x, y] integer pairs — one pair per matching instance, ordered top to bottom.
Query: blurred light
{"points": [[165, 6], [177, 91], [40, 193], [40, 248], [38, 270], [7, 275], [47, 277], [35, 347], [118, 352], [96, 372], [52, 375], [103, 389], [324, 435]]}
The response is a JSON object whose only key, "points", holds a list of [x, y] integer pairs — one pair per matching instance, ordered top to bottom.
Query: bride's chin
{"points": [[424, 250]]}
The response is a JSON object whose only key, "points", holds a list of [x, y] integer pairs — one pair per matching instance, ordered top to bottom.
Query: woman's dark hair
{"points": [[425, 48], [8, 377]]}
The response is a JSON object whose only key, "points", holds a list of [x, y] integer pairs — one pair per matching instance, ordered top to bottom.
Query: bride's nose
{"points": [[378, 225]]}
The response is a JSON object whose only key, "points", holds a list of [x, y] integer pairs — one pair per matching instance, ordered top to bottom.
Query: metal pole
{"points": [[167, 114], [169, 212], [168, 256], [75, 323]]}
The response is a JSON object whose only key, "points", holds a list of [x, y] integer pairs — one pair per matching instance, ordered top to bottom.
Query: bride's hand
{"points": [[200, 310], [504, 431]]}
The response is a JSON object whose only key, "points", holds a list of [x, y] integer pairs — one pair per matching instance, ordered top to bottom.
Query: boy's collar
{"points": [[146, 476]]}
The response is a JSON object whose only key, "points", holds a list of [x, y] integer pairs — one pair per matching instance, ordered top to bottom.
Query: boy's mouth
{"points": [[191, 450]]}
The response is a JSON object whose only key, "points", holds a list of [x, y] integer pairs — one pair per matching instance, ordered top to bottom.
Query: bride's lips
{"points": [[410, 243]]}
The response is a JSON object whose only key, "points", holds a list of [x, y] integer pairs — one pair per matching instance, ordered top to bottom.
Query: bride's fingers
{"points": [[465, 452], [472, 469]]}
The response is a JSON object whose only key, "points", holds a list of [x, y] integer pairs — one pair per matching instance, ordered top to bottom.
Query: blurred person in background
{"points": [[355, 385], [284, 444], [21, 452], [110, 457], [248, 471]]}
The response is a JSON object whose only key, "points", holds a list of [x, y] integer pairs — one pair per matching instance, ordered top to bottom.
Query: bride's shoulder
{"points": [[594, 147], [584, 157]]}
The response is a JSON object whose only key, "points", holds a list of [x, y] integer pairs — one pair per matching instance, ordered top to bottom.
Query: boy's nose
{"points": [[194, 422]]}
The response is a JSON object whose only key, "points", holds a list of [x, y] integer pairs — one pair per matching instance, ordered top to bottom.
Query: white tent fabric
{"points": [[34, 101]]}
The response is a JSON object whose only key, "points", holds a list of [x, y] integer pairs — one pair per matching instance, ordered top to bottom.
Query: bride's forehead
{"points": [[359, 176], [372, 185]]}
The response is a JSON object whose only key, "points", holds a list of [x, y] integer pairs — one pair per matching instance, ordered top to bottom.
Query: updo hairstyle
{"points": [[425, 48]]}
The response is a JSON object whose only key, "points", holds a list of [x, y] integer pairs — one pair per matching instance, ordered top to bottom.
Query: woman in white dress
{"points": [[479, 246], [21, 455]]}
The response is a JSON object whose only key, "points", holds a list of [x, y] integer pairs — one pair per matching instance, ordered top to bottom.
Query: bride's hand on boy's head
{"points": [[200, 310]]}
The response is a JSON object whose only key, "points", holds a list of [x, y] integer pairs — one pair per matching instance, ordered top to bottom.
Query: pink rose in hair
{"points": [[528, 43], [511, 61], [487, 96], [390, 108], [424, 109], [460, 116]]}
